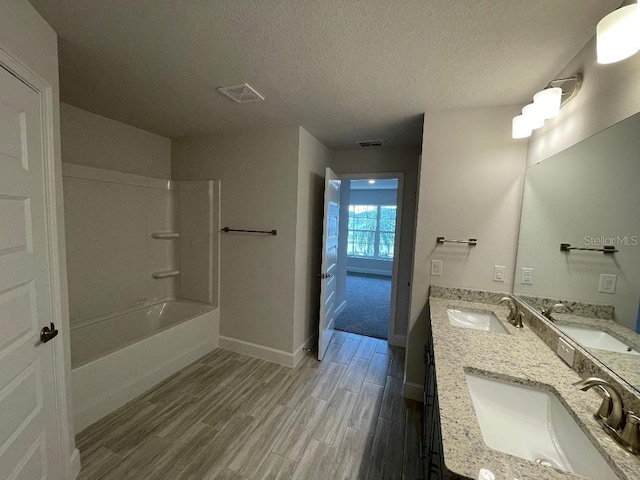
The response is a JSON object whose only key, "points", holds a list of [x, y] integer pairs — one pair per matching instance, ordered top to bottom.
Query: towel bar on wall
{"points": [[269, 232], [471, 242], [166, 274]]}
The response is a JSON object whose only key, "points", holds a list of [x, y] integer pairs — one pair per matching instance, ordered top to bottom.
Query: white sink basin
{"points": [[485, 321], [592, 338], [532, 424]]}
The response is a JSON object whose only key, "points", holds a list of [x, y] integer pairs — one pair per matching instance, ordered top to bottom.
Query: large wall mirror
{"points": [[588, 198]]}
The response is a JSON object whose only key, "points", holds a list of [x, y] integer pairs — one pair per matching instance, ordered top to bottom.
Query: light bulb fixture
{"points": [[618, 34], [546, 104], [533, 116], [520, 127]]}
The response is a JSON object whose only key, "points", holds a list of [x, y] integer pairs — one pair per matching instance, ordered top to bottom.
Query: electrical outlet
{"points": [[436, 268], [498, 273], [526, 276], [607, 283], [565, 351]]}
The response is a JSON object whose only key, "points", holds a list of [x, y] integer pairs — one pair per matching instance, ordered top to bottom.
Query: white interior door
{"points": [[329, 260], [29, 442]]}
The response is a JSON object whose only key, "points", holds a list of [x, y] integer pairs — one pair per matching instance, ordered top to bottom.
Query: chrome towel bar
{"points": [[269, 232], [470, 242]]}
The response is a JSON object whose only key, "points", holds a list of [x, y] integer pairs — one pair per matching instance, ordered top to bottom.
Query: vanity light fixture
{"points": [[618, 34], [546, 104], [533, 116], [520, 127]]}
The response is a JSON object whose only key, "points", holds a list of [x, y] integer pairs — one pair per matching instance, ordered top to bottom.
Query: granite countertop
{"points": [[519, 357]]}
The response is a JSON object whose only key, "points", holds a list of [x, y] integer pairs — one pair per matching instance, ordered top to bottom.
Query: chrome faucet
{"points": [[554, 308], [515, 316], [623, 426]]}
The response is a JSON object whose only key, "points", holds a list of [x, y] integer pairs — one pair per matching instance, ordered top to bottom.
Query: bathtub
{"points": [[117, 357]]}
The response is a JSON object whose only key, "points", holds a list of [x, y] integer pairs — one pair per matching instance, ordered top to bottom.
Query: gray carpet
{"points": [[368, 302]]}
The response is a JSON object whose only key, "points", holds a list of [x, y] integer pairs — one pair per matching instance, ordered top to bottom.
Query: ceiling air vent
{"points": [[241, 93], [370, 143]]}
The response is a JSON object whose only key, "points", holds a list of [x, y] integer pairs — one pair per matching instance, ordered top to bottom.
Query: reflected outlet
{"points": [[526, 276], [607, 283]]}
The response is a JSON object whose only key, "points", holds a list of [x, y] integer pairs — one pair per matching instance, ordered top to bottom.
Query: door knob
{"points": [[47, 333]]}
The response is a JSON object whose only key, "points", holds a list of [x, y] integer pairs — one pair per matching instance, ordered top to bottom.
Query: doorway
{"points": [[368, 244]]}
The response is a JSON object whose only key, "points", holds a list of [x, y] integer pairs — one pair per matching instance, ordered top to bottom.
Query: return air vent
{"points": [[241, 93], [370, 143]]}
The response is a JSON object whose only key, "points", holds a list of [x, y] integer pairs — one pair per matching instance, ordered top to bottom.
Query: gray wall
{"points": [[95, 141], [313, 158], [382, 160], [259, 178], [471, 181]]}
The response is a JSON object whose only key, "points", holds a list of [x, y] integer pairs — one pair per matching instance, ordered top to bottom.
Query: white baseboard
{"points": [[369, 271], [340, 309], [398, 341], [259, 351], [413, 391], [74, 464]]}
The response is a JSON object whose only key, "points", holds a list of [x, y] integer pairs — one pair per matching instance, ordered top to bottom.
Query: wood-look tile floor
{"points": [[229, 416]]}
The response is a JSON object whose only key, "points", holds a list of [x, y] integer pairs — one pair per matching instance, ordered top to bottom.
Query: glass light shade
{"points": [[618, 34], [548, 102], [533, 116], [520, 128]]}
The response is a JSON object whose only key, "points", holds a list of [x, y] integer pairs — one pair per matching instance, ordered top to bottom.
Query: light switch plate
{"points": [[436, 268], [498, 273], [526, 276], [607, 283], [565, 351]]}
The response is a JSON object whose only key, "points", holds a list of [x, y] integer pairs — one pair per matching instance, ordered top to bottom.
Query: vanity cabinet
{"points": [[431, 430]]}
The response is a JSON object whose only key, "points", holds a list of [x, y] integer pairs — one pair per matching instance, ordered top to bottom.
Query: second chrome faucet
{"points": [[623, 427]]}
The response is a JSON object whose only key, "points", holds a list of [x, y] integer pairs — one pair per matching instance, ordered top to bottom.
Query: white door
{"points": [[329, 260], [29, 443]]}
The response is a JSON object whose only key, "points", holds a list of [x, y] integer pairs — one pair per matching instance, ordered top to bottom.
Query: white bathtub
{"points": [[116, 358]]}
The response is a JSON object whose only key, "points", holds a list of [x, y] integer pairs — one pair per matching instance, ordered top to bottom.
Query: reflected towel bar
{"points": [[269, 232], [165, 235], [470, 242], [566, 247], [166, 274]]}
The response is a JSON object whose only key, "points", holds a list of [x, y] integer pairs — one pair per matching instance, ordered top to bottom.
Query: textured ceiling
{"points": [[346, 70]]}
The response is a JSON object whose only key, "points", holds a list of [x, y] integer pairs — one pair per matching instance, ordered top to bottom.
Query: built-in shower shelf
{"points": [[165, 235], [166, 274]]}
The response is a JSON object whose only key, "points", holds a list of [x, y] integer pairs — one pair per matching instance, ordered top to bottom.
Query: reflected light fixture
{"points": [[618, 34], [546, 104], [371, 182]]}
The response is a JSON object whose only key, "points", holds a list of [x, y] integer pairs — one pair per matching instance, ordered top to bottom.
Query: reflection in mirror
{"points": [[587, 196]]}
